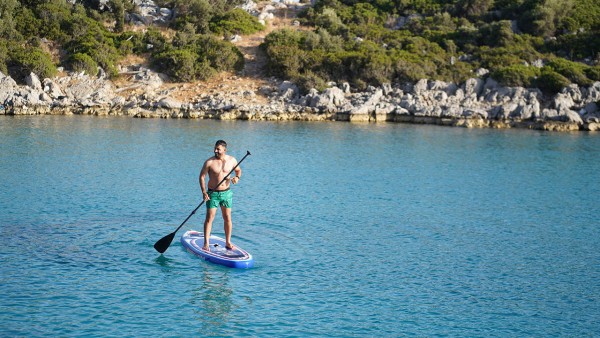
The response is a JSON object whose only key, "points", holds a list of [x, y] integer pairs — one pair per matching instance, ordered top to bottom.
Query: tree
{"points": [[473, 8], [546, 17], [7, 24]]}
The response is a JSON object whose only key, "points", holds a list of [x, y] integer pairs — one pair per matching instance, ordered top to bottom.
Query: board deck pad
{"points": [[193, 241]]}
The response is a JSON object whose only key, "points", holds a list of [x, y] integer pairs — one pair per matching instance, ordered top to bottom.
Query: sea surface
{"points": [[357, 230]]}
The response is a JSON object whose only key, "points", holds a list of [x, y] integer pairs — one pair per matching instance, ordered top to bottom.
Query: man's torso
{"points": [[217, 170]]}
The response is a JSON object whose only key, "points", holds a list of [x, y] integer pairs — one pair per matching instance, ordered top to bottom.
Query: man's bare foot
{"points": [[229, 246], [206, 248]]}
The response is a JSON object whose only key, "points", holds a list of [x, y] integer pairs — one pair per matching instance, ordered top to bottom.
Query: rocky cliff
{"points": [[475, 103]]}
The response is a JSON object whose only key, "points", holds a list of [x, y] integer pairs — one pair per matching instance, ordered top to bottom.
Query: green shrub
{"points": [[118, 9], [196, 12], [364, 13], [586, 14], [53, 15], [329, 20], [236, 21], [27, 23], [496, 34], [185, 37], [283, 37], [322, 39], [137, 41], [155, 41], [576, 46], [126, 47], [100, 48], [222, 55], [4, 58], [25, 60], [284, 60], [83, 62], [178, 64], [377, 69], [408, 70], [204, 71], [573, 71], [458, 72], [593, 73], [515, 75], [309, 80], [550, 81]]}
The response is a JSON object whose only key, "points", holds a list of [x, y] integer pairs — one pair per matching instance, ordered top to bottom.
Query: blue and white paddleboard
{"points": [[218, 254]]}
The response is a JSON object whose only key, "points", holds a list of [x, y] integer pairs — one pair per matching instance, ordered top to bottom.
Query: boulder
{"points": [[33, 81], [473, 87], [169, 103]]}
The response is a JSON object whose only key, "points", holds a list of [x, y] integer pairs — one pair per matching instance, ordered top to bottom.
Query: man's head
{"points": [[221, 143], [220, 148]]}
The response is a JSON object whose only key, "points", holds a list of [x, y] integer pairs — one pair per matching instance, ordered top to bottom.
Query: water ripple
{"points": [[356, 230]]}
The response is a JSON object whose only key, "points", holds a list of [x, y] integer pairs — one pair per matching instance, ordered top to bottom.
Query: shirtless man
{"points": [[217, 167]]}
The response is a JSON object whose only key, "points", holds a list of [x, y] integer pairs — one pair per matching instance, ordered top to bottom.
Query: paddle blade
{"points": [[163, 244]]}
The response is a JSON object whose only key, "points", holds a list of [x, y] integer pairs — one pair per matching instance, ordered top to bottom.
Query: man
{"points": [[217, 168]]}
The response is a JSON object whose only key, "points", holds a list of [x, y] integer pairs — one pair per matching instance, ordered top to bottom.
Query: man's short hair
{"points": [[221, 143]]}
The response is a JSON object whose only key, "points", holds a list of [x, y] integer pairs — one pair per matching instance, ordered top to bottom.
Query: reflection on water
{"points": [[165, 263], [212, 301]]}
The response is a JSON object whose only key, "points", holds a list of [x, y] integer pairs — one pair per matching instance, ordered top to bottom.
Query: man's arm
{"points": [[238, 173], [202, 180]]}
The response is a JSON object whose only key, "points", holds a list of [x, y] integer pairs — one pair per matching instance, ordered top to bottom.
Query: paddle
{"points": [[163, 244]]}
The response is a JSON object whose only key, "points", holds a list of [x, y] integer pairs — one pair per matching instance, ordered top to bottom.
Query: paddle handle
{"points": [[210, 190]]}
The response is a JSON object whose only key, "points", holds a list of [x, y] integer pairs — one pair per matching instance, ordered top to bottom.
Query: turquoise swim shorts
{"points": [[220, 199]]}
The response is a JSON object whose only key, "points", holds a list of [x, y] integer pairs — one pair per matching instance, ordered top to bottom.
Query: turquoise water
{"points": [[356, 230]]}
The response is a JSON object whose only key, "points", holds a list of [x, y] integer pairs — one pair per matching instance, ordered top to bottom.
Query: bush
{"points": [[118, 9], [196, 12], [52, 15], [329, 20], [236, 21], [26, 23], [496, 34], [185, 37], [133, 40], [154, 41], [579, 46], [101, 49], [222, 55], [3, 57], [25, 60], [83, 62], [178, 64], [377, 69], [409, 70], [204, 71], [573, 71], [593, 73], [516, 75], [309, 80], [550, 81]]}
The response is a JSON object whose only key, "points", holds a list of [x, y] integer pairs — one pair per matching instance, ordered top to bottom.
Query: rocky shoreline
{"points": [[477, 103]]}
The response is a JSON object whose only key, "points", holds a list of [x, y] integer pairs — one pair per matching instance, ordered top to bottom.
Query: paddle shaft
{"points": [[162, 244]]}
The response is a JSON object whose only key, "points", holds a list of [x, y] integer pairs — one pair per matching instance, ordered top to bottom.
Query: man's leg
{"points": [[210, 216], [227, 226]]}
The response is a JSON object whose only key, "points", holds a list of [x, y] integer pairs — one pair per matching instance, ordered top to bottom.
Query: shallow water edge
{"points": [[308, 115]]}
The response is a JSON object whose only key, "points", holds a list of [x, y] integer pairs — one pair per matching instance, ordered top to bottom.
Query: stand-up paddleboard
{"points": [[193, 241]]}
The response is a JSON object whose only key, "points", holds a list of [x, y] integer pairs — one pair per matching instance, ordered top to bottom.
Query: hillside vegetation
{"points": [[91, 35], [532, 43]]}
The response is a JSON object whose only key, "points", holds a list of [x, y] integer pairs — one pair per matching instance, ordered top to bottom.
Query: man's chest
{"points": [[219, 167]]}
